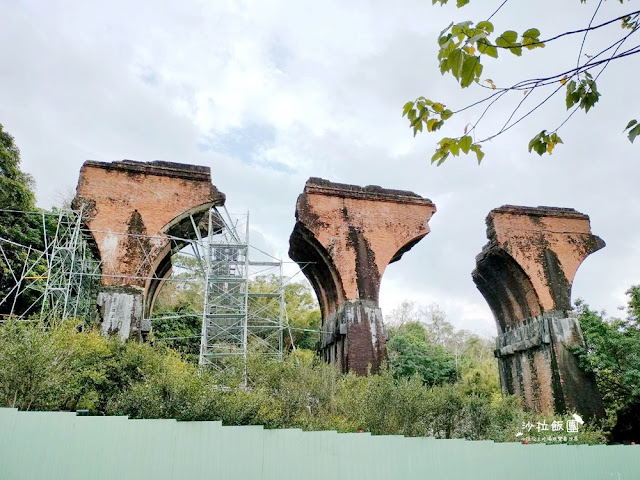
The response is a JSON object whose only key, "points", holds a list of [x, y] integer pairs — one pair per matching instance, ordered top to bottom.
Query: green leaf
{"points": [[462, 3], [486, 26], [509, 37], [531, 39], [508, 40], [486, 48], [455, 62], [444, 66], [469, 69], [478, 69], [407, 106], [446, 115], [630, 124], [633, 133], [555, 138], [534, 141], [465, 143], [477, 148], [440, 156]]}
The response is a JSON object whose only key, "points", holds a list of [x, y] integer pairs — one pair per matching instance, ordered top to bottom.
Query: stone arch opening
{"points": [[189, 225], [317, 267], [506, 288]]}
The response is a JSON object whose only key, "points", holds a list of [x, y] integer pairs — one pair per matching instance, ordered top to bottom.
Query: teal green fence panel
{"points": [[63, 446]]}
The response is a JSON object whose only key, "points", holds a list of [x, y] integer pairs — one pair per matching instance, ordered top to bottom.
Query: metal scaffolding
{"points": [[55, 276], [244, 298], [243, 308]]}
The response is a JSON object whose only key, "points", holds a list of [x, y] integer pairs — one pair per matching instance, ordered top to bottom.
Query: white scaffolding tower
{"points": [[244, 298]]}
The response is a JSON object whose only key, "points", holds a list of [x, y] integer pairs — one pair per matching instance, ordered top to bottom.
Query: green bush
{"points": [[61, 367]]}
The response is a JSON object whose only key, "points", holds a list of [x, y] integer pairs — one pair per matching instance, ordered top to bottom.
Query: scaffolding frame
{"points": [[62, 275], [243, 309], [241, 314]]}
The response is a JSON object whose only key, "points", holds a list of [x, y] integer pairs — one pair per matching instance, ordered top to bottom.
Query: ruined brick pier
{"points": [[137, 212], [343, 239], [525, 273]]}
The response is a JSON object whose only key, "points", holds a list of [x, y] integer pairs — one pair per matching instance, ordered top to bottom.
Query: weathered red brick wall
{"points": [[131, 206], [348, 235], [525, 273]]}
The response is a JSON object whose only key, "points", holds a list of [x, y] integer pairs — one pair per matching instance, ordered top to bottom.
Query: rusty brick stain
{"points": [[355, 232], [525, 271]]}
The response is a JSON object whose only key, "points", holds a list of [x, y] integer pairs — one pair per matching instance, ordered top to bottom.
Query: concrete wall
{"points": [[62, 446]]}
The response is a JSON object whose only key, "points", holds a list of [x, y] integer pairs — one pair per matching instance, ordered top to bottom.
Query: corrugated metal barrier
{"points": [[61, 445]]}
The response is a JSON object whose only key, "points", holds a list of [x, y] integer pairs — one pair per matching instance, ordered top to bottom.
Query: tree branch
{"points": [[573, 32]]}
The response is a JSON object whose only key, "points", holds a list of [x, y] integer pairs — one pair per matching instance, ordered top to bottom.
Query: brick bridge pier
{"points": [[137, 213], [343, 239], [525, 273]]}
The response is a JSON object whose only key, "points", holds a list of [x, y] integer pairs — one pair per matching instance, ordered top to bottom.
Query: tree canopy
{"points": [[464, 46], [19, 232], [613, 352]]}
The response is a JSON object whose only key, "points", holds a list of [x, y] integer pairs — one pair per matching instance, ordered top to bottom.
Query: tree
{"points": [[464, 46], [19, 232], [404, 313], [303, 316], [439, 330], [612, 352], [410, 353]]}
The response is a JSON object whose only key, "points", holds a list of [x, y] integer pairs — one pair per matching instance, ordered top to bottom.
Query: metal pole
{"points": [[206, 246], [282, 307], [245, 333]]}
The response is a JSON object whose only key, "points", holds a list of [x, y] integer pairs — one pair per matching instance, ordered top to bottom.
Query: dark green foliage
{"points": [[584, 93], [544, 142], [15, 186], [16, 195], [303, 315], [180, 327], [613, 352], [411, 354]]}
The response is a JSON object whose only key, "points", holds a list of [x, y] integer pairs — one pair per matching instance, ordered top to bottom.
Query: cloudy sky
{"points": [[268, 93]]}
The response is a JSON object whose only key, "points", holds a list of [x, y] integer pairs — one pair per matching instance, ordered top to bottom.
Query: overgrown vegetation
{"points": [[613, 353], [60, 367]]}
